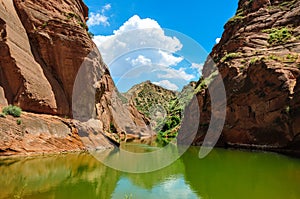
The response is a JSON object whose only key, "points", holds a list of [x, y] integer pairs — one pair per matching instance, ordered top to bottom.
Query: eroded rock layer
{"points": [[43, 46], [259, 60]]}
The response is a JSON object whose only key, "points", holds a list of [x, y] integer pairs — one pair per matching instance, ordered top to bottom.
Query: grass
{"points": [[286, 5], [71, 15], [237, 18], [44, 25], [83, 25], [278, 35], [230, 56], [275, 58], [289, 58], [256, 59], [243, 61], [206, 82], [12, 110]]}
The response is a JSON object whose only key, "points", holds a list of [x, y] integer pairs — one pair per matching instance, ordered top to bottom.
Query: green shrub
{"points": [[71, 15], [278, 36], [12, 110], [2, 115], [19, 122], [112, 128]]}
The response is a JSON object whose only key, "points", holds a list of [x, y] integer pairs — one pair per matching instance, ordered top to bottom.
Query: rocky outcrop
{"points": [[44, 45], [258, 58], [146, 96], [34, 134]]}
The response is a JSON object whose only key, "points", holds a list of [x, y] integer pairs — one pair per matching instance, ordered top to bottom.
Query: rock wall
{"points": [[43, 45], [259, 60]]}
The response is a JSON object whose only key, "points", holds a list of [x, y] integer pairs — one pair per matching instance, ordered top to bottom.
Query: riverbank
{"points": [[36, 134]]}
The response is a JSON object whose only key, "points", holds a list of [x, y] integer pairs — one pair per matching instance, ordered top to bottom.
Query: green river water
{"points": [[223, 174]]}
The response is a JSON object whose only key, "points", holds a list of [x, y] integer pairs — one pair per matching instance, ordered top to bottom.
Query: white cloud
{"points": [[106, 7], [99, 18], [96, 19], [135, 22], [134, 34], [218, 40], [142, 46], [167, 59], [140, 61], [199, 67], [171, 73], [167, 84]]}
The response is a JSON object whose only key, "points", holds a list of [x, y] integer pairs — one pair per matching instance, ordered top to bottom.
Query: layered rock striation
{"points": [[43, 47], [258, 58]]}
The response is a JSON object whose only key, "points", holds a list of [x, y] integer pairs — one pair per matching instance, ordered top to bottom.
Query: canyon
{"points": [[258, 59], [48, 60], [53, 71]]}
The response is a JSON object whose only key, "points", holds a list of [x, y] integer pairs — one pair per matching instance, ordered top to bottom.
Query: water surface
{"points": [[223, 174]]}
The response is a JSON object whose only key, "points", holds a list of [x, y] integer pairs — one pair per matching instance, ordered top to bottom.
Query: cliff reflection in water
{"points": [[222, 174]]}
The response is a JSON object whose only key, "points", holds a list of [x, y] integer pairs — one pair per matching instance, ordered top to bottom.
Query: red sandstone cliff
{"points": [[43, 45], [259, 60]]}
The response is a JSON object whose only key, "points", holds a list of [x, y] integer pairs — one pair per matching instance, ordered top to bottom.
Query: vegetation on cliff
{"points": [[164, 108]]}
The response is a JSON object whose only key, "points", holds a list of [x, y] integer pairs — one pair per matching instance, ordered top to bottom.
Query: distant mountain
{"points": [[147, 96], [162, 107]]}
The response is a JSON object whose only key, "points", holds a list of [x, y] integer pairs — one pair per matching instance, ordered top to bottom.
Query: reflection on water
{"points": [[223, 174]]}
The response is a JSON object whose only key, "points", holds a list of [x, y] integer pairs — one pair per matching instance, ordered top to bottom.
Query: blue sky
{"points": [[183, 33]]}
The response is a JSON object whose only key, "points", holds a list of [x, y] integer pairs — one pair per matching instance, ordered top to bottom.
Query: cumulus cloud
{"points": [[106, 7], [99, 18], [96, 19], [134, 34], [218, 40], [139, 48], [167, 59], [140, 61], [160, 63], [198, 67], [171, 73], [167, 84]]}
